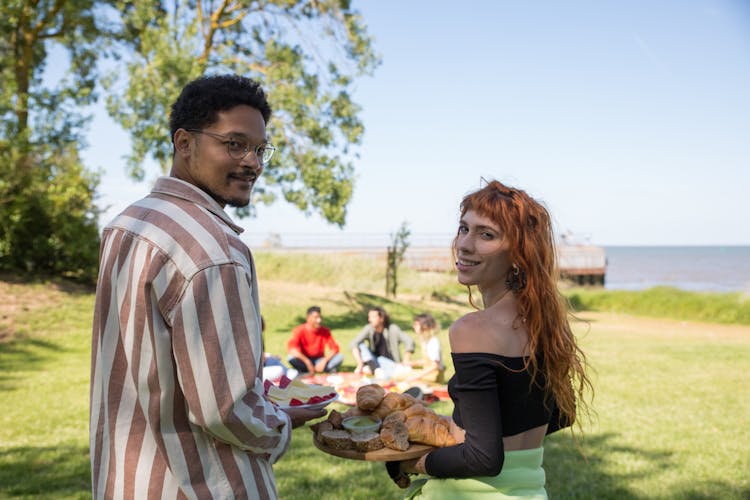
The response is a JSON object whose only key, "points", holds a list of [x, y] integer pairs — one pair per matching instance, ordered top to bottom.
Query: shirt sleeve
{"points": [[406, 339], [354, 344], [217, 348], [481, 454]]}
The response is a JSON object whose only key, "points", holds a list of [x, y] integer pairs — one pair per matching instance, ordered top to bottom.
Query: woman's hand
{"points": [[415, 466], [397, 475]]}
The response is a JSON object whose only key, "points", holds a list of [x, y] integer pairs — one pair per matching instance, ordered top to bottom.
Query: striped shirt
{"points": [[177, 404]]}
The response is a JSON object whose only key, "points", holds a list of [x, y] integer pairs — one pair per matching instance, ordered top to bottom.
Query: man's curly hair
{"points": [[202, 99]]}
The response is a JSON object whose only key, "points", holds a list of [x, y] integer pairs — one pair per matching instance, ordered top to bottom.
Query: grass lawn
{"points": [[672, 408]]}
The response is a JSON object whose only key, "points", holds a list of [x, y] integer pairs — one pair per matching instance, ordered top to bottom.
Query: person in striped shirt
{"points": [[177, 402]]}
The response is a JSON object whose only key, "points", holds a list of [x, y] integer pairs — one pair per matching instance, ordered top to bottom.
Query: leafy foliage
{"points": [[305, 53], [48, 219]]}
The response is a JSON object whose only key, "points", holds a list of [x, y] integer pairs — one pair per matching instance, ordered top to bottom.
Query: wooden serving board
{"points": [[381, 455]]}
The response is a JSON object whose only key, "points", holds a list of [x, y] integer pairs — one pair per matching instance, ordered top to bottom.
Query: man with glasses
{"points": [[177, 401]]}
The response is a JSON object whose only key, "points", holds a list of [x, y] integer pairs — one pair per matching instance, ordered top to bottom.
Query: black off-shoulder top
{"points": [[493, 398]]}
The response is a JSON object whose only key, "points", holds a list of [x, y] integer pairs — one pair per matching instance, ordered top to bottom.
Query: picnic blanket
{"points": [[347, 383]]}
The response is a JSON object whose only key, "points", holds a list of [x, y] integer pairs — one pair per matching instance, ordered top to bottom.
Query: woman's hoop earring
{"points": [[516, 279]]}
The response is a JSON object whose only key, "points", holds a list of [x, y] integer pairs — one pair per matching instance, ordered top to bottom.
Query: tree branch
{"points": [[47, 17], [231, 22], [214, 25]]}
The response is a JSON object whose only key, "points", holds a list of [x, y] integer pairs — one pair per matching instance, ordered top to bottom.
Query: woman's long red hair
{"points": [[526, 226]]}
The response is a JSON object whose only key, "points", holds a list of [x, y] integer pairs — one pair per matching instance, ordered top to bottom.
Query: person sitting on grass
{"points": [[377, 345], [307, 346], [273, 368], [433, 369]]}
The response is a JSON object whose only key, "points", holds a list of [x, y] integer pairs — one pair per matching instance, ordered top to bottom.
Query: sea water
{"points": [[699, 268]]}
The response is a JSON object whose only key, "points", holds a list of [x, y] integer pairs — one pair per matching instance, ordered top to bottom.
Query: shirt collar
{"points": [[172, 186]]}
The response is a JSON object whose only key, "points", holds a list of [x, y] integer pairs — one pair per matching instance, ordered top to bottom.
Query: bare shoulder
{"points": [[488, 331], [466, 332]]}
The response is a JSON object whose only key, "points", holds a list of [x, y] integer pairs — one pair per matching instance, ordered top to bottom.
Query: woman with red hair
{"points": [[519, 370]]}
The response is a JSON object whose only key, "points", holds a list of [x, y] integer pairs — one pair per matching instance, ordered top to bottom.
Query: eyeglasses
{"points": [[238, 148]]}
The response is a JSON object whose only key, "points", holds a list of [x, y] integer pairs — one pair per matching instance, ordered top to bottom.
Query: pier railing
{"points": [[583, 263]]}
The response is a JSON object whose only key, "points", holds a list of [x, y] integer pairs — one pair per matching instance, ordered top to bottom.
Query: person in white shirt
{"points": [[432, 367]]}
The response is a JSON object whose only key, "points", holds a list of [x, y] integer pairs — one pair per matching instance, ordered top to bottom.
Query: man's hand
{"points": [[358, 369], [300, 416]]}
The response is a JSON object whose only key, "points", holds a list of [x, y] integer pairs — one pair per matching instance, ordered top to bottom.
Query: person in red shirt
{"points": [[307, 347]]}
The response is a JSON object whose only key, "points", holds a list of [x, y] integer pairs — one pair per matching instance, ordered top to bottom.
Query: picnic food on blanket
{"points": [[296, 392], [369, 396]]}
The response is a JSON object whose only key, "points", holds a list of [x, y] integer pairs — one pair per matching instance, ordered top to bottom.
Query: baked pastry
{"points": [[369, 396], [393, 401], [418, 409], [355, 411], [396, 416], [336, 417], [321, 426], [429, 431], [395, 435], [337, 439], [369, 441]]}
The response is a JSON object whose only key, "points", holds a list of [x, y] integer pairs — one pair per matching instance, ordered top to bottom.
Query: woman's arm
{"points": [[478, 404]]}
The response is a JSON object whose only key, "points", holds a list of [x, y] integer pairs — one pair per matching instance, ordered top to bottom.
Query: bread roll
{"points": [[369, 396], [418, 409], [355, 411], [396, 416], [335, 417], [321, 426], [395, 435]]}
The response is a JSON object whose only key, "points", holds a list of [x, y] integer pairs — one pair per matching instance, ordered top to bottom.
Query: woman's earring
{"points": [[516, 279]]}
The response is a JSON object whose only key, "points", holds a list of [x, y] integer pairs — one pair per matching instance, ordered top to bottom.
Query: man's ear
{"points": [[183, 142]]}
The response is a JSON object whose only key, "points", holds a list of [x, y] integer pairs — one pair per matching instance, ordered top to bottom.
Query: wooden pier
{"points": [[584, 264]]}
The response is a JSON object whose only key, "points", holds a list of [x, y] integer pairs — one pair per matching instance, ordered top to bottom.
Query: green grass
{"points": [[667, 302], [671, 419]]}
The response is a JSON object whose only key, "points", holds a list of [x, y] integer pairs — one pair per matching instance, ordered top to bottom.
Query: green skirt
{"points": [[522, 476]]}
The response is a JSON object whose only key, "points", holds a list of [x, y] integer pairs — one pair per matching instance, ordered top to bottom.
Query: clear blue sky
{"points": [[630, 120]]}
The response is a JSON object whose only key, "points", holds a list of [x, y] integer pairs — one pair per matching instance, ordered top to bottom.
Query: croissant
{"points": [[369, 396], [393, 402], [429, 431]]}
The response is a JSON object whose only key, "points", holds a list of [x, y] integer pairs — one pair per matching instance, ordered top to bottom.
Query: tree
{"points": [[306, 54], [48, 219], [396, 250]]}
